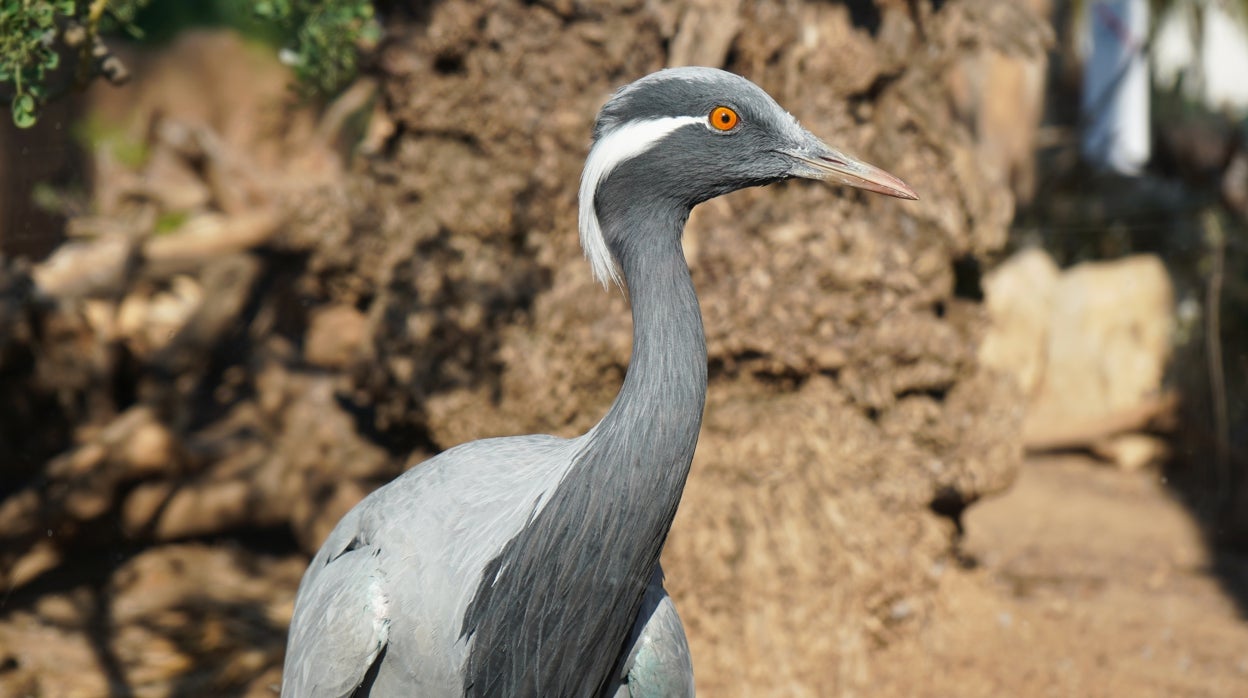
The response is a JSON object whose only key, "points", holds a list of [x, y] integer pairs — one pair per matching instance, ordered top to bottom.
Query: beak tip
{"points": [[834, 166], [896, 189], [899, 189]]}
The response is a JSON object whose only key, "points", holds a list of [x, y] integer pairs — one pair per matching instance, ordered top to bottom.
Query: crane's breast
{"points": [[435, 530]]}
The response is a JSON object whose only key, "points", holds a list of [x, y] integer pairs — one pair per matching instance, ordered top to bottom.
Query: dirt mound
{"points": [[340, 322], [846, 401]]}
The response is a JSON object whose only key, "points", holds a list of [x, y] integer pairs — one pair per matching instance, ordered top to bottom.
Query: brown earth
{"points": [[264, 311], [1089, 581]]}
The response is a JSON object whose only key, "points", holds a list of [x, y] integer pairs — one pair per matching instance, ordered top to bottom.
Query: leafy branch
{"points": [[326, 38], [323, 40]]}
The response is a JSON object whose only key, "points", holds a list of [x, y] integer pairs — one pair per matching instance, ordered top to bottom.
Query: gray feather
{"points": [[425, 538], [569, 584], [658, 663]]}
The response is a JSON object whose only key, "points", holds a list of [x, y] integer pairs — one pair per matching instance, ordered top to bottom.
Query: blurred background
{"points": [[258, 257]]}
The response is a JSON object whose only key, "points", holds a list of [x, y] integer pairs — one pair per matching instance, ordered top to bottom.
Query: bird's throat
{"points": [[654, 422]]}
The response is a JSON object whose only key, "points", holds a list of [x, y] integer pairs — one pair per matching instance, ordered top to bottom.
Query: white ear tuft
{"points": [[617, 146]]}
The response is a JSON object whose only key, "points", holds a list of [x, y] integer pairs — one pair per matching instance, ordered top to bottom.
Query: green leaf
{"points": [[24, 111]]}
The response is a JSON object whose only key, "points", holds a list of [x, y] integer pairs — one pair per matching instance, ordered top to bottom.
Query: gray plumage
{"points": [[528, 566]]}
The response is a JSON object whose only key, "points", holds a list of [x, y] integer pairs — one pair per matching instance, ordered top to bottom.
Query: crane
{"points": [[529, 565]]}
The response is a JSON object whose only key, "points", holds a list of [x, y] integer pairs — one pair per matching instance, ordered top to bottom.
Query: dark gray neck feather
{"points": [[657, 415], [556, 619]]}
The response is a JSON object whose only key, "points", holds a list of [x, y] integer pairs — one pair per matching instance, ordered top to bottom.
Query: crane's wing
{"points": [[381, 606], [341, 625], [657, 664]]}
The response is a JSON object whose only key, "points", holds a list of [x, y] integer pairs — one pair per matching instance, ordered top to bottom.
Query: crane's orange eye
{"points": [[723, 119]]}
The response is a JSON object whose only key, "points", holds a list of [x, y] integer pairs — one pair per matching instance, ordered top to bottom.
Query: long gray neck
{"points": [[652, 427], [637, 459], [553, 611]]}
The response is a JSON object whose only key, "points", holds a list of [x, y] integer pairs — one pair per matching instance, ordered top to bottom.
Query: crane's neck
{"points": [[652, 428], [566, 590]]}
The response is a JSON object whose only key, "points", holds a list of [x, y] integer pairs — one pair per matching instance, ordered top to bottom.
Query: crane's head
{"points": [[678, 137]]}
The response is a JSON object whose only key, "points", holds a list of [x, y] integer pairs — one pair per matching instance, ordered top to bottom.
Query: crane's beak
{"points": [[818, 161]]}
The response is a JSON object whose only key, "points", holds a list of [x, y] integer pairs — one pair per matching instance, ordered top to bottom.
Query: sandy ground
{"points": [[1087, 581]]}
